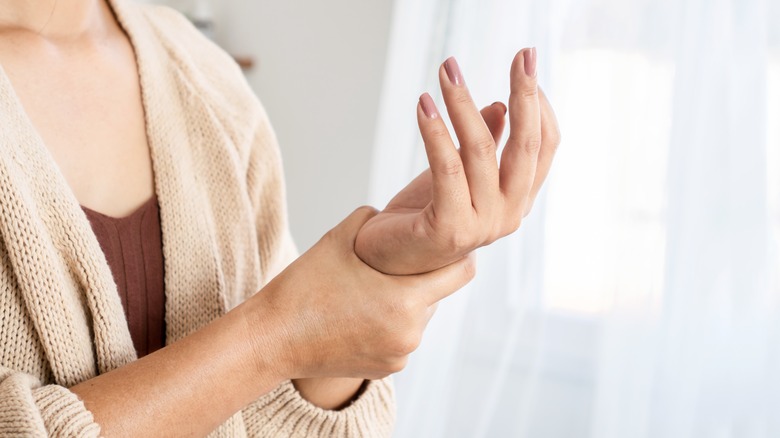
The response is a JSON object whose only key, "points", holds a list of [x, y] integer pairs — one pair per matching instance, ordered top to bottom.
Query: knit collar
{"points": [[183, 201], [59, 267]]}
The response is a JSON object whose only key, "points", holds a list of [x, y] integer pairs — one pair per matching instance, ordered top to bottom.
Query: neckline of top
{"points": [[139, 210]]}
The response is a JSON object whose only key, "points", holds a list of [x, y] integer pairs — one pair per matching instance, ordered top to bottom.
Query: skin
{"points": [[74, 58], [78, 83], [465, 200], [328, 315], [330, 320]]}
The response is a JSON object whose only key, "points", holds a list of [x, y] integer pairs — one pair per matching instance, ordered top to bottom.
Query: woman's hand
{"points": [[466, 200], [327, 315], [334, 316]]}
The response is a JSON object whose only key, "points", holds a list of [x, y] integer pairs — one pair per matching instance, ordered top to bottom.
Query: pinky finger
{"points": [[450, 188]]}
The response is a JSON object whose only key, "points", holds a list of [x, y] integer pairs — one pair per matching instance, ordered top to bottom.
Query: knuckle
{"points": [[529, 92], [462, 98], [438, 132], [532, 144], [484, 149], [451, 166], [514, 223], [421, 226], [460, 240], [399, 312], [403, 344]]}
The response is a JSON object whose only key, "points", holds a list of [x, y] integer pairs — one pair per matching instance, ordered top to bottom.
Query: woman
{"points": [[121, 127]]}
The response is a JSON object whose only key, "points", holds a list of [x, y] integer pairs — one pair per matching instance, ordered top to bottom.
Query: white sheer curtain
{"points": [[641, 297]]}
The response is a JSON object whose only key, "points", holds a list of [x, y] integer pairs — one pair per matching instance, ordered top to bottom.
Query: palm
{"points": [[418, 193], [414, 197], [469, 199], [406, 211], [392, 227]]}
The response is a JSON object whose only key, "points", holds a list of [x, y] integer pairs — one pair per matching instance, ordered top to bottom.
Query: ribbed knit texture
{"points": [[219, 183]]}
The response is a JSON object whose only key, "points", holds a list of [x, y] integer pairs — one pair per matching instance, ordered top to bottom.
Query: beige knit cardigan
{"points": [[219, 182]]}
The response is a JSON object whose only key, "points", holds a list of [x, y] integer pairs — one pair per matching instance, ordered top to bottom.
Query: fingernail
{"points": [[529, 61], [453, 70], [501, 105], [428, 107]]}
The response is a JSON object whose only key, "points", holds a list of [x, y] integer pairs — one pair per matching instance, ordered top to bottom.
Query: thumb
{"points": [[347, 229]]}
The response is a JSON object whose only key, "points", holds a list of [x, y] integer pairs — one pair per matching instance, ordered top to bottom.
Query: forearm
{"points": [[187, 388]]}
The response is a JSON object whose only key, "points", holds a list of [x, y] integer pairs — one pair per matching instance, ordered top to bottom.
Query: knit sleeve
{"points": [[28, 408], [283, 412]]}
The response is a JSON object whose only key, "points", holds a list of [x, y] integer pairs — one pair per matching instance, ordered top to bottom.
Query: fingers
{"points": [[494, 116], [551, 138], [477, 148], [519, 159], [450, 189], [346, 231], [445, 281]]}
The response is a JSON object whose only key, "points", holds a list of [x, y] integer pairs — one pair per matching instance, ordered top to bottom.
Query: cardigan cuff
{"points": [[285, 412], [63, 413]]}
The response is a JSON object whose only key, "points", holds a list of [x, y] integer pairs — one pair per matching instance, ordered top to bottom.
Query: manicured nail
{"points": [[529, 61], [453, 70], [500, 105], [428, 107]]}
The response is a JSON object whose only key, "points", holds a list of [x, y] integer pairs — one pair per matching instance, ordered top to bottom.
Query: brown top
{"points": [[133, 248]]}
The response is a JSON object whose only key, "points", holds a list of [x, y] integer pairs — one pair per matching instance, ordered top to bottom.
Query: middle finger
{"points": [[477, 148]]}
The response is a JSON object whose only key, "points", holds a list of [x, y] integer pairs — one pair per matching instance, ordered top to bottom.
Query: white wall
{"points": [[318, 73]]}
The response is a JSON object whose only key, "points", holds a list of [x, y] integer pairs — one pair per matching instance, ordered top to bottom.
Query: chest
{"points": [[85, 103], [217, 177]]}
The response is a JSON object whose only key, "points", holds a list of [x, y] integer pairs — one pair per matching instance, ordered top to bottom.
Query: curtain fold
{"points": [[641, 297]]}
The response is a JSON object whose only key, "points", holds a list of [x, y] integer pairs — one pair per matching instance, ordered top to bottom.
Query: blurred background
{"points": [[318, 68], [641, 297]]}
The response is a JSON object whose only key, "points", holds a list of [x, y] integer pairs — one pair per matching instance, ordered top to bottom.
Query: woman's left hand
{"points": [[465, 200]]}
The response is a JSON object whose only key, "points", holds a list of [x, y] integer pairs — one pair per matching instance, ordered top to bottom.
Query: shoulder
{"points": [[186, 43], [209, 72]]}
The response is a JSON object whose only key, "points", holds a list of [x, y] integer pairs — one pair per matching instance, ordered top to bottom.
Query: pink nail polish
{"points": [[529, 61], [453, 71], [428, 107]]}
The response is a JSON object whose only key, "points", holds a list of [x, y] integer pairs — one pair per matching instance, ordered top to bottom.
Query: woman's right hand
{"points": [[334, 316]]}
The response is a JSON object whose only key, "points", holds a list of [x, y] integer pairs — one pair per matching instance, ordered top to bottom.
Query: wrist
{"points": [[266, 338]]}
